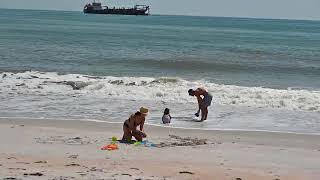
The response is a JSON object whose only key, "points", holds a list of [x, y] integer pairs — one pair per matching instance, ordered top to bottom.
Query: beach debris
{"points": [[4, 75], [110, 147], [75, 156], [11, 158], [40, 162], [72, 164], [135, 169], [186, 172], [33, 174], [125, 174], [10, 178], [238, 179]]}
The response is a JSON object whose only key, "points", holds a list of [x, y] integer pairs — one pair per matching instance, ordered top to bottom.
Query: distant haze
{"points": [[276, 9]]}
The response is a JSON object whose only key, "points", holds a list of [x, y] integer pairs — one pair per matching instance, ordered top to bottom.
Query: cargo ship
{"points": [[97, 8]]}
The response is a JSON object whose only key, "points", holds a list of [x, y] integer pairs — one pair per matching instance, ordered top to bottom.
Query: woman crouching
{"points": [[130, 126]]}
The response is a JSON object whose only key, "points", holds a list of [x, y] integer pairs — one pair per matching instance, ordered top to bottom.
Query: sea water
{"points": [[263, 74]]}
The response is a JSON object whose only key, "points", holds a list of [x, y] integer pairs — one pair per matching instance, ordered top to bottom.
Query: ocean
{"points": [[264, 74]]}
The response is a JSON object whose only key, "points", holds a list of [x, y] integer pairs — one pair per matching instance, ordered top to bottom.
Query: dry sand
{"points": [[50, 149]]}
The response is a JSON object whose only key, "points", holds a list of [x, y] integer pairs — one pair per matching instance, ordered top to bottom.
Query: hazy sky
{"points": [[288, 9]]}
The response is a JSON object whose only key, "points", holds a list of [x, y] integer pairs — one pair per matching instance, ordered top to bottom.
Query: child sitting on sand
{"points": [[166, 118]]}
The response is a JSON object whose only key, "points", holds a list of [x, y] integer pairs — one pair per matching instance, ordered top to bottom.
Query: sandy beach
{"points": [[56, 149]]}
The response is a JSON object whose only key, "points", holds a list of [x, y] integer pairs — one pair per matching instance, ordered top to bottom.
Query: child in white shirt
{"points": [[166, 118]]}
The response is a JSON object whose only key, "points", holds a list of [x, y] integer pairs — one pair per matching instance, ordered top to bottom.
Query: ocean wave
{"points": [[227, 65], [164, 89]]}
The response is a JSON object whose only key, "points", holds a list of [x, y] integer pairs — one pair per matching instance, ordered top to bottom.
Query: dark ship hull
{"points": [[97, 8], [117, 11]]}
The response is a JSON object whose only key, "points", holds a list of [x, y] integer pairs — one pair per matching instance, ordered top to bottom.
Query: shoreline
{"points": [[162, 126]]}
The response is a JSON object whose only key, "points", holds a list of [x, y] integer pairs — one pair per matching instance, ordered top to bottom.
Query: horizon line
{"points": [[239, 17]]}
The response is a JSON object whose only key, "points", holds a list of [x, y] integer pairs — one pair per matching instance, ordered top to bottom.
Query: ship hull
{"points": [[117, 11]]}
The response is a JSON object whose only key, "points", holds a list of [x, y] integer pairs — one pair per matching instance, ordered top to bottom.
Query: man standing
{"points": [[204, 101]]}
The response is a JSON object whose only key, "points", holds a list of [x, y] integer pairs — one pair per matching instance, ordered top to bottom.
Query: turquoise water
{"points": [[237, 51], [263, 74]]}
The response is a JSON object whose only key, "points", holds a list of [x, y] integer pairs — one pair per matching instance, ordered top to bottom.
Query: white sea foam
{"points": [[155, 89], [113, 99]]}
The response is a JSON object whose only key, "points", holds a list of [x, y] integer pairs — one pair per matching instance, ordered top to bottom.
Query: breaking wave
{"points": [[167, 89]]}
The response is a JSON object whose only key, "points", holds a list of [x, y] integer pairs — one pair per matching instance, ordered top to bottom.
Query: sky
{"points": [[275, 9]]}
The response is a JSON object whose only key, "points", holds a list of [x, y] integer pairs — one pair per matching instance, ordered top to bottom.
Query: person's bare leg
{"points": [[202, 114], [206, 114], [126, 134]]}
